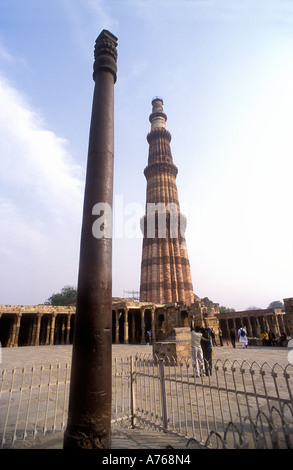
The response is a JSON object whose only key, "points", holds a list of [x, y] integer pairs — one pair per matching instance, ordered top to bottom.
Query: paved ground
{"points": [[41, 354], [127, 438]]}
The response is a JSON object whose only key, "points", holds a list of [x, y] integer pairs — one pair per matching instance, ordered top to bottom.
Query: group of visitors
{"points": [[242, 337], [269, 339], [202, 340], [201, 347]]}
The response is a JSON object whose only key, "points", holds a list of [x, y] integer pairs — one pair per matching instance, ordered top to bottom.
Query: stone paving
{"points": [[41, 354], [129, 438]]}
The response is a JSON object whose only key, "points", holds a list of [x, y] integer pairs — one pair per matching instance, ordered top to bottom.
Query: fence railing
{"points": [[33, 400], [238, 405]]}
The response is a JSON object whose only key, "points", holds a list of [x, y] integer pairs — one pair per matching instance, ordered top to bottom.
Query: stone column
{"points": [[142, 310], [241, 321], [269, 322], [283, 323], [275, 325], [116, 326], [252, 326], [267, 326], [133, 327], [52, 328], [227, 328], [249, 328], [258, 328], [17, 329], [38, 329], [48, 329], [63, 330], [30, 331], [34, 331], [14, 332], [126, 335], [67, 340], [89, 410]]}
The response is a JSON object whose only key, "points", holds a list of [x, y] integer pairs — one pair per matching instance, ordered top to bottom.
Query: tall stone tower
{"points": [[165, 270]]}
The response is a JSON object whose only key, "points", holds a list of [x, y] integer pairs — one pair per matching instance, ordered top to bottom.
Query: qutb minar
{"points": [[165, 269]]}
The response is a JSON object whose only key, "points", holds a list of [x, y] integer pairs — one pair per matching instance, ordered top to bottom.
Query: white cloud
{"points": [[34, 161], [41, 193]]}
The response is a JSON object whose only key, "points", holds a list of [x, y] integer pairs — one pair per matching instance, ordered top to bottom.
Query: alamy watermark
{"points": [[131, 221]]}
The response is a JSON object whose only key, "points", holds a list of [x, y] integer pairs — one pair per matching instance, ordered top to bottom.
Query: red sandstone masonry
{"points": [[165, 270]]}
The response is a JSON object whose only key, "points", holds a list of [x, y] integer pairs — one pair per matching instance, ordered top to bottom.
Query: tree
{"points": [[66, 296], [277, 304], [253, 307], [223, 309]]}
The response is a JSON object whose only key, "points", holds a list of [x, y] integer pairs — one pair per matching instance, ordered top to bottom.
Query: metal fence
{"points": [[33, 401], [237, 405]]}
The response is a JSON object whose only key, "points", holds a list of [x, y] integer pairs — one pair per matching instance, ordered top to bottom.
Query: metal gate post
{"points": [[132, 393], [163, 394]]}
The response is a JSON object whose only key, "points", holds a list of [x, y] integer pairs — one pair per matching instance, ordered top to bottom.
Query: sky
{"points": [[224, 69]]}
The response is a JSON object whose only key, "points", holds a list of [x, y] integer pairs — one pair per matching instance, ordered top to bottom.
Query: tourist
{"points": [[192, 323], [213, 336], [242, 336], [148, 337], [221, 337], [233, 337], [272, 338], [265, 339], [282, 341], [207, 349], [196, 351]]}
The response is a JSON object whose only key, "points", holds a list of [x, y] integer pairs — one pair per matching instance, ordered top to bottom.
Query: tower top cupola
{"points": [[158, 118]]}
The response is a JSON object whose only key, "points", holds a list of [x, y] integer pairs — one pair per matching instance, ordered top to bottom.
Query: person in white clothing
{"points": [[242, 336], [196, 351]]}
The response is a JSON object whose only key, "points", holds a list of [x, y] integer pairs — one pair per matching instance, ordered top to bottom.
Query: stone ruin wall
{"points": [[44, 309], [289, 314], [34, 325], [50, 325]]}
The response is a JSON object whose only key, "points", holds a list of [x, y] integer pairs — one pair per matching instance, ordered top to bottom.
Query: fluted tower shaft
{"points": [[165, 270]]}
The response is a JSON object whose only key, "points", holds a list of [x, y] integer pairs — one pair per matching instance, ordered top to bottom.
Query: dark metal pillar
{"points": [[89, 413]]}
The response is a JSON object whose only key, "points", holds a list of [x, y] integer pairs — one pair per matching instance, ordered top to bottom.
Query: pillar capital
{"points": [[106, 54]]}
